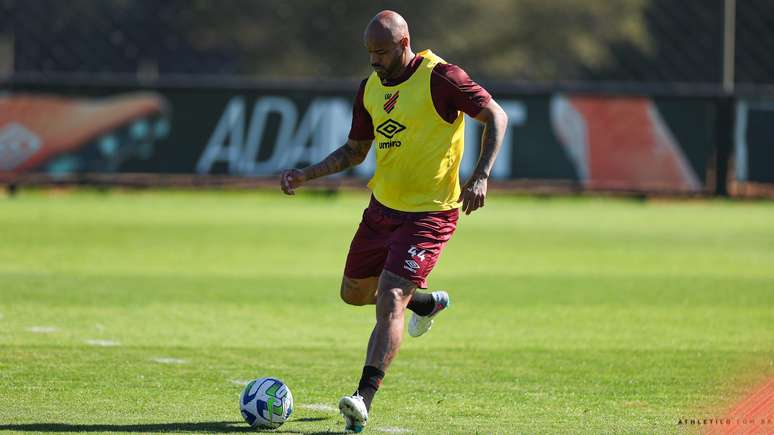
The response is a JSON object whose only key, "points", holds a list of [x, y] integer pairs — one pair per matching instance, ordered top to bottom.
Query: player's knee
{"points": [[355, 294], [394, 295], [351, 296], [391, 299]]}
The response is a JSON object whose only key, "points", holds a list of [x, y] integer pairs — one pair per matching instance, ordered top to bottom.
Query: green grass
{"points": [[568, 316]]}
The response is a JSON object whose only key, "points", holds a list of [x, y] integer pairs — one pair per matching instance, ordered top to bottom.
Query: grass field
{"points": [[145, 311]]}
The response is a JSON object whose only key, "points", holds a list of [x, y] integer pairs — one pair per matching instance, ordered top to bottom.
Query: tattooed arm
{"points": [[348, 155], [474, 190]]}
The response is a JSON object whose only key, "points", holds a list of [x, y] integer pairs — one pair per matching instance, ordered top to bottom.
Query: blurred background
{"points": [[627, 96]]}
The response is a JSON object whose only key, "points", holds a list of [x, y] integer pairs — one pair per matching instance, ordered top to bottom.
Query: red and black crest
{"points": [[391, 101]]}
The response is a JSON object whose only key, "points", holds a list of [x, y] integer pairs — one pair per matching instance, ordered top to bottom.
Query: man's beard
{"points": [[389, 71]]}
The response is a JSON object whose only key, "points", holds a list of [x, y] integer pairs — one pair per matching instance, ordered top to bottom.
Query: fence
{"points": [[633, 41], [689, 85]]}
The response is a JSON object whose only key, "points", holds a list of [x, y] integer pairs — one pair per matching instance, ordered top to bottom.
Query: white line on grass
{"points": [[42, 329], [104, 343], [166, 360], [239, 382], [318, 407], [391, 429]]}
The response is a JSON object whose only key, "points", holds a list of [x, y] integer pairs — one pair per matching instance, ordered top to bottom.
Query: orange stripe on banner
{"points": [[66, 124], [629, 146], [754, 414]]}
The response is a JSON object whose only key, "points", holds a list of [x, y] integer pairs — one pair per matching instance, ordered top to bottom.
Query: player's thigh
{"points": [[416, 247], [365, 259], [413, 260], [359, 291]]}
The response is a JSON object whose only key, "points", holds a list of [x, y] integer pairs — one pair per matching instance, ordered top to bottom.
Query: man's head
{"points": [[388, 43]]}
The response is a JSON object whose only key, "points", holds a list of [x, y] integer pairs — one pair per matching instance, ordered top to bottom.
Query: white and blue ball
{"points": [[266, 403]]}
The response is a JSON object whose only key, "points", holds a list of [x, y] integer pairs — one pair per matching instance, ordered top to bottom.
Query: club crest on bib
{"points": [[392, 100]]}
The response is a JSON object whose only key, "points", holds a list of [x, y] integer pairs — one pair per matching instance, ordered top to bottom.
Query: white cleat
{"points": [[418, 325], [355, 413]]}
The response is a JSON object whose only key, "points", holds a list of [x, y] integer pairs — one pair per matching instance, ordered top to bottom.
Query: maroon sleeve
{"points": [[453, 90], [362, 125]]}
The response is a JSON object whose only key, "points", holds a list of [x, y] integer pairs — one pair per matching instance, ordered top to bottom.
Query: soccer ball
{"points": [[266, 403]]}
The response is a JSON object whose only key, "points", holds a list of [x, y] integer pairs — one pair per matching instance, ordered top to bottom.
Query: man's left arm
{"points": [[474, 190]]}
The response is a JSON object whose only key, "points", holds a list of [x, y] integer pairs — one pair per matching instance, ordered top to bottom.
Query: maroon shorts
{"points": [[407, 244]]}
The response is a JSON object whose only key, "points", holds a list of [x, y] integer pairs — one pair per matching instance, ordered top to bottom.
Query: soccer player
{"points": [[412, 106]]}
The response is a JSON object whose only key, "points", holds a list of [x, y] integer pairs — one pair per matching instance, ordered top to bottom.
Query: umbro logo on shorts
{"points": [[390, 128]]}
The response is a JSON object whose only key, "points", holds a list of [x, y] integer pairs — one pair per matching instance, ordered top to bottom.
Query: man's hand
{"points": [[344, 157], [290, 179], [473, 193]]}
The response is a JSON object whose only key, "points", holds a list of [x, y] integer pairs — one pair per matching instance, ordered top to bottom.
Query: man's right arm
{"points": [[352, 153], [348, 155]]}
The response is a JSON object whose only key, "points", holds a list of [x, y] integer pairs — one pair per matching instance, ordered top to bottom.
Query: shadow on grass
{"points": [[186, 427]]}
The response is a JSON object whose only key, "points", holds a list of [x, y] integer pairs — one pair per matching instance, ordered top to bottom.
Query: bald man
{"points": [[412, 106]]}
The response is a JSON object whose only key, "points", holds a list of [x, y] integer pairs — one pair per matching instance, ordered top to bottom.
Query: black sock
{"points": [[422, 303], [369, 383]]}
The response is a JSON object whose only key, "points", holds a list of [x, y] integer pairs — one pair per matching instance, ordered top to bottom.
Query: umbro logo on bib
{"points": [[392, 100], [390, 128]]}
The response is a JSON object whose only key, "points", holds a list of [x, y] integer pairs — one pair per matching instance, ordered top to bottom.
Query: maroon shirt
{"points": [[451, 88]]}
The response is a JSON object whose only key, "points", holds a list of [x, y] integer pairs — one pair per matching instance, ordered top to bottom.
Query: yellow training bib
{"points": [[418, 153]]}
